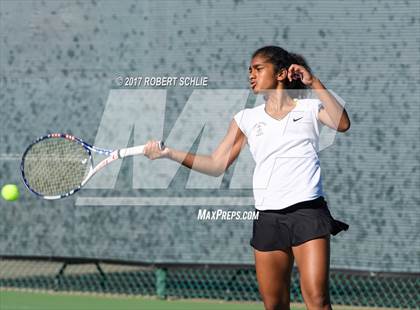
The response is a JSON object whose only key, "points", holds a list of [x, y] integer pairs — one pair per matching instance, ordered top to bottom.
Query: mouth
{"points": [[253, 84]]}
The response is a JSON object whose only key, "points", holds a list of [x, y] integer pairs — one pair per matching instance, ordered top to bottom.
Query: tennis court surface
{"points": [[16, 300], [32, 300]]}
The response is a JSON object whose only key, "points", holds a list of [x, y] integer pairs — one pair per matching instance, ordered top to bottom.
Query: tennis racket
{"points": [[58, 165]]}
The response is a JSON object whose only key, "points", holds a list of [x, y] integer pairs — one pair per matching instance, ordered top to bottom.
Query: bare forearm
{"points": [[335, 111], [201, 163]]}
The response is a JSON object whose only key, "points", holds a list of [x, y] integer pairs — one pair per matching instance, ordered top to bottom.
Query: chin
{"points": [[256, 90], [259, 91]]}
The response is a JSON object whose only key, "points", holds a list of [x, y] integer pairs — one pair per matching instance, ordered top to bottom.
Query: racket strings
{"points": [[56, 166]]}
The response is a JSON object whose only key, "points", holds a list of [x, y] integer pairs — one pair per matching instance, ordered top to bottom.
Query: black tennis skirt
{"points": [[294, 225]]}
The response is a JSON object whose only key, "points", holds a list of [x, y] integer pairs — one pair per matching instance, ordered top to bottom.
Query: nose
{"points": [[251, 76]]}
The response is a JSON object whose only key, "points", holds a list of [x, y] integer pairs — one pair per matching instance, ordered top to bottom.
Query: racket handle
{"points": [[136, 150]]}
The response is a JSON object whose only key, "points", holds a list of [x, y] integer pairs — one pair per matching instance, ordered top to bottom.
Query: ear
{"points": [[282, 75]]}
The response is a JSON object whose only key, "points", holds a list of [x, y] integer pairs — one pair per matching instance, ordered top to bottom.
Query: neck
{"points": [[277, 100]]}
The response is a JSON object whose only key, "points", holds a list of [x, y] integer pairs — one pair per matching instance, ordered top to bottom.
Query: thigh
{"points": [[313, 260], [274, 270]]}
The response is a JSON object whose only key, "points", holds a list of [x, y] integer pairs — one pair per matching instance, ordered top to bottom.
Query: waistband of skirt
{"points": [[308, 204]]}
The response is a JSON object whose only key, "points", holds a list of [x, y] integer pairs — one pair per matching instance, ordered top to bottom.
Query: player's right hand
{"points": [[152, 150]]}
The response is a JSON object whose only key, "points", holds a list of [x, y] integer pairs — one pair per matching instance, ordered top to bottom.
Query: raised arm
{"points": [[332, 114], [215, 164]]}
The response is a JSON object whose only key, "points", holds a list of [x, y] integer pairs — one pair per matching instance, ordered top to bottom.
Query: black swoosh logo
{"points": [[296, 119]]}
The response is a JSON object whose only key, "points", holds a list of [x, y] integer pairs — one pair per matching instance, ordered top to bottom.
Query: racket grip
{"points": [[136, 150]]}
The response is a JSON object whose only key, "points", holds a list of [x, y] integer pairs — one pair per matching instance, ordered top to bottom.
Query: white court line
{"points": [[6, 156], [166, 201]]}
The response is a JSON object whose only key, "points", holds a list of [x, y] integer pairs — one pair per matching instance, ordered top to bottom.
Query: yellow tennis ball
{"points": [[10, 192]]}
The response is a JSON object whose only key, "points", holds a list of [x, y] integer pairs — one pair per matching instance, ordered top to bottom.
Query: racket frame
{"points": [[112, 156]]}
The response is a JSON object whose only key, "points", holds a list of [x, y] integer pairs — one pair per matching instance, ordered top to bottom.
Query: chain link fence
{"points": [[235, 283]]}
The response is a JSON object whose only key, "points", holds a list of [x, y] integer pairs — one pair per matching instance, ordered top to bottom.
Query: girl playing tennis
{"points": [[283, 134]]}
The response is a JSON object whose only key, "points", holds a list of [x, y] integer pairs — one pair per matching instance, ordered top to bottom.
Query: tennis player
{"points": [[283, 134]]}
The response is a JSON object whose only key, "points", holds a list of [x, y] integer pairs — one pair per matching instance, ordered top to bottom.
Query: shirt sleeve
{"points": [[317, 106], [241, 121]]}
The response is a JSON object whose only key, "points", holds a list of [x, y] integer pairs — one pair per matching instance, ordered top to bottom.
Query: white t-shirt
{"points": [[287, 167]]}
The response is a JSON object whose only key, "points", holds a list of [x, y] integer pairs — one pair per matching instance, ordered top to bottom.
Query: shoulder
{"points": [[310, 103], [248, 112], [246, 117]]}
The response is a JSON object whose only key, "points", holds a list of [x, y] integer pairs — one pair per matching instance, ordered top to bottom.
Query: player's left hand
{"points": [[299, 72]]}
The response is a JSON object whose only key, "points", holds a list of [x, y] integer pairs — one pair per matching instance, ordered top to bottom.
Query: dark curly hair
{"points": [[282, 59]]}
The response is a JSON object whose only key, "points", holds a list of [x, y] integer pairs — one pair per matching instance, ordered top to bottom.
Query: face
{"points": [[262, 76]]}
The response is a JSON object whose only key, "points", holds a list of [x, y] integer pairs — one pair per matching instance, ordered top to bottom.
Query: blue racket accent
{"points": [[98, 150]]}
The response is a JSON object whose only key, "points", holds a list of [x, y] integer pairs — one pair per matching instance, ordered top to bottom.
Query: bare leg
{"points": [[313, 261], [274, 270]]}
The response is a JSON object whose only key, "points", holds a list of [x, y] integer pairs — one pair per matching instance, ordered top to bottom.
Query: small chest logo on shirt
{"points": [[296, 119], [259, 128]]}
